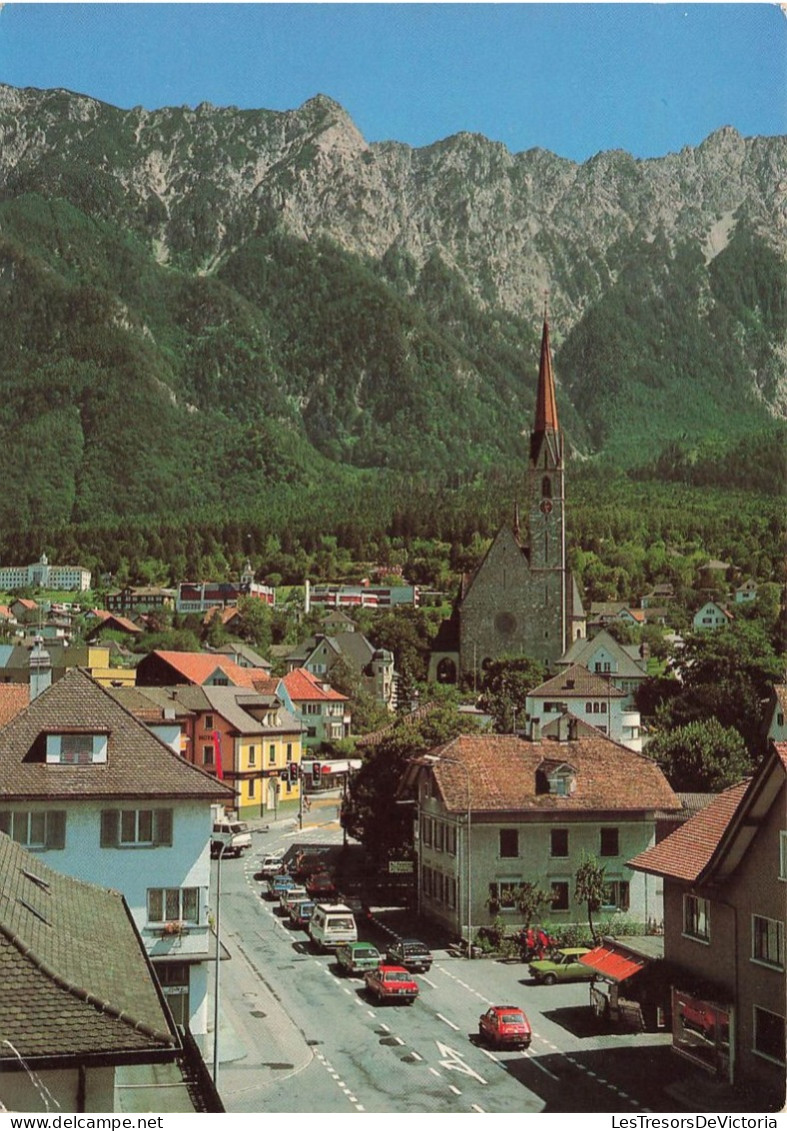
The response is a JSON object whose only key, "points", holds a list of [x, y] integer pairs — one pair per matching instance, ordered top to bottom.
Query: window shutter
{"points": [[162, 826], [56, 828], [110, 828]]}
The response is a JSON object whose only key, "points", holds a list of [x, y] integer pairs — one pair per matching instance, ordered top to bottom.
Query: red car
{"points": [[320, 887], [392, 983], [505, 1026]]}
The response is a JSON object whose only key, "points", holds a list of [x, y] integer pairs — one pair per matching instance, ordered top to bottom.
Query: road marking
{"points": [[428, 982], [384, 1026], [456, 1027], [491, 1055], [415, 1056], [452, 1060], [534, 1060], [434, 1071], [454, 1090], [478, 1108]]}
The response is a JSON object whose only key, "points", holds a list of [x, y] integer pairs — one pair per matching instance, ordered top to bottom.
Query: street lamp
{"points": [[222, 846], [469, 853]]}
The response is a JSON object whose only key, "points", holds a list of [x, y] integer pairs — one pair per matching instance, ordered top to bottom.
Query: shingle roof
{"points": [[630, 663], [577, 682], [301, 684], [14, 697], [231, 704], [138, 764], [504, 772], [683, 854], [75, 977]]}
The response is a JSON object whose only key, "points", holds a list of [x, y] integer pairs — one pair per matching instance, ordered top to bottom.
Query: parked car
{"points": [[234, 835], [271, 865], [277, 884], [321, 886], [290, 896], [300, 912], [414, 955], [357, 957], [564, 966], [392, 983], [505, 1026]]}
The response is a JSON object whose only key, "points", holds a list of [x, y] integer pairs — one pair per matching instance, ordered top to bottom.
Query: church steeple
{"points": [[546, 424]]}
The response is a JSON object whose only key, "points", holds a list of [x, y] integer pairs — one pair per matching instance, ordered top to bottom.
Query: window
{"points": [[209, 722], [76, 749], [289, 751], [207, 754], [271, 754], [252, 755], [252, 789], [136, 826], [126, 828], [35, 829], [426, 830], [558, 842], [610, 842], [509, 843], [783, 855], [559, 890], [503, 893], [616, 895], [173, 905], [696, 918], [767, 941], [769, 1034]]}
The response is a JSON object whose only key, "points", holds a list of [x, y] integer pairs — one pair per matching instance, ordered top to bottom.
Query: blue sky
{"points": [[571, 78]]}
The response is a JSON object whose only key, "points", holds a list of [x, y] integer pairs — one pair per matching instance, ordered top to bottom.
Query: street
{"points": [[296, 1036]]}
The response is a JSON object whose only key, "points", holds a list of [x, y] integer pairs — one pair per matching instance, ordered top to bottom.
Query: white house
{"points": [[711, 616], [625, 664], [587, 696], [322, 711], [776, 714], [86, 783], [496, 811]]}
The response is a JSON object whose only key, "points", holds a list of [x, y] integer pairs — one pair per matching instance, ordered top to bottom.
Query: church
{"points": [[522, 598]]}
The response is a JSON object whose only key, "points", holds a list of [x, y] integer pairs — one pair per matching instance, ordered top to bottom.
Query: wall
{"points": [[19, 1093]]}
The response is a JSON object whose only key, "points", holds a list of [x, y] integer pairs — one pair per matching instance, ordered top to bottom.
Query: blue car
{"points": [[277, 885]]}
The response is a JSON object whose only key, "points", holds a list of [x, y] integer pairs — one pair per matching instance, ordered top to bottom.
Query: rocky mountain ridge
{"points": [[512, 225]]}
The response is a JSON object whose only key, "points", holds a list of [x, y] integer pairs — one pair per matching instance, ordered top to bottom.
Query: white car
{"points": [[271, 865]]}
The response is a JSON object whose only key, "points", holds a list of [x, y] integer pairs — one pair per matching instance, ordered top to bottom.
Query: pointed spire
{"points": [[546, 403]]}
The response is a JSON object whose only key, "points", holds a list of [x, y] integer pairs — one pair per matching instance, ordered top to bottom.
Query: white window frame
{"points": [[56, 756], [140, 834], [169, 897], [702, 912]]}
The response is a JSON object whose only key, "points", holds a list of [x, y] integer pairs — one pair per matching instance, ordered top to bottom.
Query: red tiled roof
{"points": [[196, 667], [301, 684], [14, 697], [503, 773], [685, 853]]}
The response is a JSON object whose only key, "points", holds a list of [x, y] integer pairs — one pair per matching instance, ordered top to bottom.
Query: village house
{"points": [[711, 616], [626, 665], [373, 667], [588, 696], [322, 712], [84, 782], [496, 811], [725, 877], [81, 1003]]}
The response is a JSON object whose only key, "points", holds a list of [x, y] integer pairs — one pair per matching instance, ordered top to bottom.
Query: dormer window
{"points": [[76, 749], [562, 780]]}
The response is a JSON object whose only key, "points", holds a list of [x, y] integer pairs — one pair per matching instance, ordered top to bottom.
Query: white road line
{"points": [[429, 982], [384, 1026], [456, 1027], [491, 1055], [415, 1056], [534, 1060], [434, 1071], [455, 1090], [476, 1107]]}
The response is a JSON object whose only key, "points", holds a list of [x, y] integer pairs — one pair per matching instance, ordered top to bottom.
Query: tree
{"points": [[256, 622], [506, 687], [702, 757], [372, 813], [589, 883], [531, 900]]}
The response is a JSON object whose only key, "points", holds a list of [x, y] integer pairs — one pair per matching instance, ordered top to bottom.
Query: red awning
{"points": [[617, 965]]}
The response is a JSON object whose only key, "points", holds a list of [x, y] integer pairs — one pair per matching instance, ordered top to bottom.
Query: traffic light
{"points": [[292, 770], [316, 771]]}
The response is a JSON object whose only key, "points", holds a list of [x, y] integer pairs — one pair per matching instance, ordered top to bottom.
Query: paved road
{"points": [[299, 1037]]}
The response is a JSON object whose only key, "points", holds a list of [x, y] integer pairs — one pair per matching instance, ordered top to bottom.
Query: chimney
{"points": [[307, 602], [40, 669], [562, 728], [572, 729], [535, 730]]}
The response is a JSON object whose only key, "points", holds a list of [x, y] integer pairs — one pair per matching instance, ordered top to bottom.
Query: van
{"points": [[234, 835], [330, 925]]}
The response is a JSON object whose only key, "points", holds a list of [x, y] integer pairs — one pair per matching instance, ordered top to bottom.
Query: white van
{"points": [[234, 835], [330, 925]]}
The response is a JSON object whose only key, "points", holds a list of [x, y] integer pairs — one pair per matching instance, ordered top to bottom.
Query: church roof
{"points": [[546, 402]]}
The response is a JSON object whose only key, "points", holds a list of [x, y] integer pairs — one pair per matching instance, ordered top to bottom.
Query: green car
{"points": [[357, 957], [563, 967]]}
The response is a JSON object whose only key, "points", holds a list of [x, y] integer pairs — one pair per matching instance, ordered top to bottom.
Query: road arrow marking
{"points": [[452, 1060]]}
